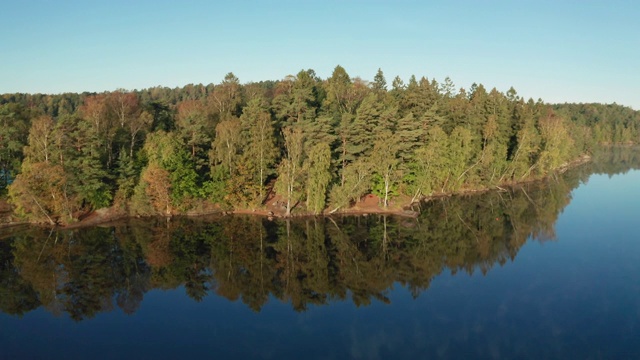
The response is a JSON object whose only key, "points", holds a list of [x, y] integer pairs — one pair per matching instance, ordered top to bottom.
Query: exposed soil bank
{"points": [[369, 204]]}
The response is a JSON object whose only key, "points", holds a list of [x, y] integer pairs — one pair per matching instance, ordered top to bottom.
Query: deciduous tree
{"points": [[290, 170]]}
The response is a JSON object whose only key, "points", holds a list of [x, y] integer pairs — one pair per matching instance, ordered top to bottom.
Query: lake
{"points": [[543, 270]]}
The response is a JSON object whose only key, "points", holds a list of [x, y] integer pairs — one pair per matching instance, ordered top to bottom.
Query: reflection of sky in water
{"points": [[575, 297]]}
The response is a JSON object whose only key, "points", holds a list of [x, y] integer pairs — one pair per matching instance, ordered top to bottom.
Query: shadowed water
{"points": [[545, 270]]}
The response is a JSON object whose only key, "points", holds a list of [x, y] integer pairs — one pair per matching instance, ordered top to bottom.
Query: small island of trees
{"points": [[306, 144]]}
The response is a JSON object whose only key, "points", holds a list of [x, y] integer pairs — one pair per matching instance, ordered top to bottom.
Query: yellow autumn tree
{"points": [[158, 188], [40, 193]]}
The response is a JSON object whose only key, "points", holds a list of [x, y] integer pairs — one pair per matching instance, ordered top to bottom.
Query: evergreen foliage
{"points": [[318, 144]]}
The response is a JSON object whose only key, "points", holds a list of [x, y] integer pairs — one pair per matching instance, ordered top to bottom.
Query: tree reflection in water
{"points": [[310, 261]]}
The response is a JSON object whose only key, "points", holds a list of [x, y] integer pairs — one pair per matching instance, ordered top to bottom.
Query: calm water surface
{"points": [[544, 271]]}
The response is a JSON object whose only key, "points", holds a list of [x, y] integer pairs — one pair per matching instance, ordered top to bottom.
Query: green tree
{"points": [[379, 85], [338, 88], [226, 99], [297, 101], [103, 124], [192, 124], [138, 126], [14, 131], [409, 132], [41, 139], [227, 144], [555, 144], [259, 151], [526, 152], [461, 156], [493, 159], [385, 165], [431, 165], [171, 166], [290, 170], [128, 173], [318, 177], [89, 179], [356, 183]]}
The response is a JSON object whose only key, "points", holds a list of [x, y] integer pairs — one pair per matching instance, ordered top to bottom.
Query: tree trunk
{"points": [[133, 141], [386, 190]]}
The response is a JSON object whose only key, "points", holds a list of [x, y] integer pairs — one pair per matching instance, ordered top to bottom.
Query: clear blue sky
{"points": [[575, 51]]}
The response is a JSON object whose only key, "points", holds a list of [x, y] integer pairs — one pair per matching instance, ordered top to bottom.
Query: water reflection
{"points": [[304, 262]]}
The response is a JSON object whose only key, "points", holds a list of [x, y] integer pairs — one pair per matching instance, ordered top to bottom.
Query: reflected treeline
{"points": [[615, 160], [310, 261]]}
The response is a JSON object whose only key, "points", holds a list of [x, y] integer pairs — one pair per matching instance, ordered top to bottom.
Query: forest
{"points": [[309, 145], [302, 261]]}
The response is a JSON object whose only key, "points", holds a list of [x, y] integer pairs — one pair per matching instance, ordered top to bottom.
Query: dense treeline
{"points": [[610, 124], [303, 143], [310, 261]]}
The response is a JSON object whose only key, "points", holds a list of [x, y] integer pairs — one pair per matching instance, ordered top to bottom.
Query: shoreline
{"points": [[361, 208]]}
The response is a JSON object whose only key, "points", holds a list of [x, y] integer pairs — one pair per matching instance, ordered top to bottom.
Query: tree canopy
{"points": [[316, 144]]}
